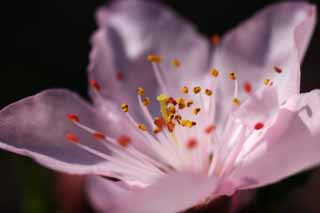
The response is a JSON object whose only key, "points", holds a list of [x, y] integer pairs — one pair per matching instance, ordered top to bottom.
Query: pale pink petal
{"points": [[132, 29], [276, 36], [36, 127], [291, 145], [174, 193]]}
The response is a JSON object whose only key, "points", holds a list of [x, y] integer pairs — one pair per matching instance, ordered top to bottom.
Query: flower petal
{"points": [[129, 31], [276, 36], [37, 126], [291, 145], [173, 193]]}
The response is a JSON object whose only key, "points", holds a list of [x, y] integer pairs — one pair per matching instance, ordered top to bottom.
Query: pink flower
{"points": [[248, 126]]}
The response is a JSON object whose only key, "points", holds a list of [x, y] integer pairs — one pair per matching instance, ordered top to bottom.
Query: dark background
{"points": [[46, 46]]}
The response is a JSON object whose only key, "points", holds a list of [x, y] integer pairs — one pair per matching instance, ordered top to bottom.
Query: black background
{"points": [[47, 45]]}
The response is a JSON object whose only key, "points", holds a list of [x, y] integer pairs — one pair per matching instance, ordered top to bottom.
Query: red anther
{"points": [[215, 39], [277, 69], [119, 76], [94, 84], [247, 87], [172, 101], [73, 117], [159, 122], [170, 126], [258, 126], [210, 129], [99, 136], [72, 138], [123, 140], [192, 143]]}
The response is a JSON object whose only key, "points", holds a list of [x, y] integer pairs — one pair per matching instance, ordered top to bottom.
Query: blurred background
{"points": [[47, 46]]}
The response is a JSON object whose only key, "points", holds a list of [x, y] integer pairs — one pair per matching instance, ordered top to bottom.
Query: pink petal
{"points": [[131, 30], [276, 36], [37, 126], [291, 145], [173, 193]]}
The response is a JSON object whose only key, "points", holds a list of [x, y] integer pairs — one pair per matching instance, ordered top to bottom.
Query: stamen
{"points": [[215, 39], [154, 58], [176, 63], [277, 69], [214, 72], [232, 76], [266, 81], [94, 84], [247, 87], [185, 90], [196, 90], [140, 91], [208, 92], [146, 101], [172, 101], [189, 102], [236, 102], [181, 103], [125, 107], [171, 110], [196, 111], [73, 117], [178, 118], [159, 122], [188, 123], [170, 126], [258, 126], [142, 127], [210, 129], [156, 130], [99, 136], [72, 138], [123, 140], [192, 143]]}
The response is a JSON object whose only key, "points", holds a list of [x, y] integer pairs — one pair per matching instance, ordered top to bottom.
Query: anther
{"points": [[215, 39], [154, 58], [176, 63], [277, 69], [214, 72], [232, 76], [266, 81], [94, 84], [247, 87], [184, 90], [196, 90], [140, 91], [208, 92], [146, 101], [172, 101], [189, 102], [236, 102], [181, 103], [125, 107], [171, 110], [196, 111], [73, 117], [178, 117], [159, 122], [187, 123], [170, 126], [258, 126], [142, 127], [210, 129], [156, 130], [99, 136], [72, 138], [123, 140], [192, 143]]}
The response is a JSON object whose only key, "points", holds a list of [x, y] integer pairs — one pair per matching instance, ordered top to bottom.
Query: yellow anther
{"points": [[154, 58], [176, 63], [214, 72], [232, 76], [266, 81], [184, 90], [196, 90], [140, 91], [208, 92], [146, 101], [189, 102], [236, 102], [181, 103], [163, 106], [125, 107], [171, 109], [196, 111], [171, 116], [178, 117], [187, 123], [142, 127]]}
